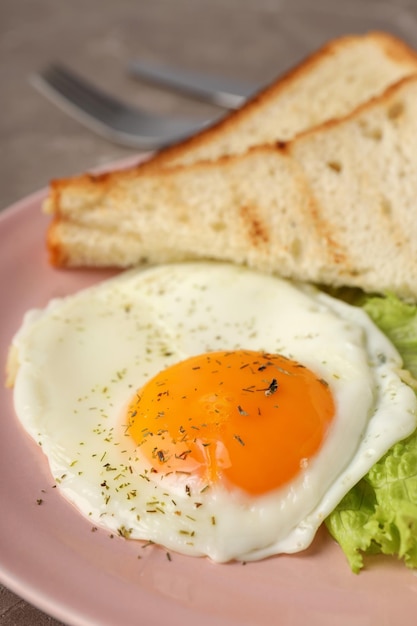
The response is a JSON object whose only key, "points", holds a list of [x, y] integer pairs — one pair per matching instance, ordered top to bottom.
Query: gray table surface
{"points": [[251, 39]]}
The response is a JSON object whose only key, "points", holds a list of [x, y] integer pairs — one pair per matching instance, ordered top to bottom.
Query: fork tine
{"points": [[91, 99], [108, 116]]}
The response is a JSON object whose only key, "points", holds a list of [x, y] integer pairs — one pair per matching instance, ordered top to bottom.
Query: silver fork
{"points": [[108, 116]]}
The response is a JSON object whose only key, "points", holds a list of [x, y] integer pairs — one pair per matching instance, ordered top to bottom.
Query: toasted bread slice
{"points": [[329, 84], [334, 206]]}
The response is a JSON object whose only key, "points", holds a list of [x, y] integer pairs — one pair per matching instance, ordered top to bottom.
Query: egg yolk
{"points": [[247, 419]]}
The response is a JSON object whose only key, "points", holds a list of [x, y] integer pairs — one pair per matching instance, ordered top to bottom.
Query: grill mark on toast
{"points": [[255, 227], [337, 253]]}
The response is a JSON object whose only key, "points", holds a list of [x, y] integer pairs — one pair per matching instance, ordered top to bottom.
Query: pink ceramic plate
{"points": [[50, 556]]}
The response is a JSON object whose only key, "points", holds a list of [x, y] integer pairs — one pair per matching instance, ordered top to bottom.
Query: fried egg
{"points": [[207, 407]]}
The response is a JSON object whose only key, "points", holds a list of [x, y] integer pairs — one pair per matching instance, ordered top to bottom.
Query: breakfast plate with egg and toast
{"points": [[210, 408]]}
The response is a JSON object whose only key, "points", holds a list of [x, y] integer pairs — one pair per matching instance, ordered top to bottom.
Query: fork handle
{"points": [[226, 92]]}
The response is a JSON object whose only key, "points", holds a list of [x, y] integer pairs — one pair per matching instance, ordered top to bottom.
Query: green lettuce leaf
{"points": [[398, 320], [379, 515]]}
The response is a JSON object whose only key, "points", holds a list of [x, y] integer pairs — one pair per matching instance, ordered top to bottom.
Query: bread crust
{"points": [[380, 99]]}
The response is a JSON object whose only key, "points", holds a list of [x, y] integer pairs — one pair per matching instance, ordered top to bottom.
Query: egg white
{"points": [[81, 359]]}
